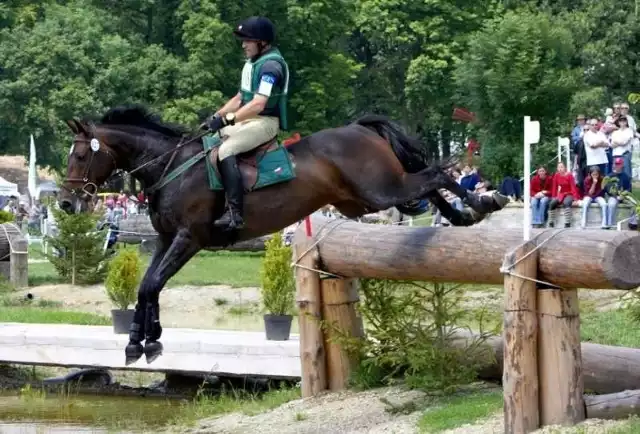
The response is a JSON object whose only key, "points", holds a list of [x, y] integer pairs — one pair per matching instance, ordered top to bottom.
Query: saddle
{"points": [[248, 162]]}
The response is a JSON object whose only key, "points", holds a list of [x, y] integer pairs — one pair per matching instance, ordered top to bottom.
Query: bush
{"points": [[6, 217], [78, 247], [123, 278], [278, 284], [411, 326]]}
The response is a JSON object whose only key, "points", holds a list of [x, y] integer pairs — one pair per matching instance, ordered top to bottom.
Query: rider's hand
{"points": [[213, 123]]}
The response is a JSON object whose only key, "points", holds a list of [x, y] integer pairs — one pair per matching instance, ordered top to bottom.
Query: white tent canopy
{"points": [[8, 188]]}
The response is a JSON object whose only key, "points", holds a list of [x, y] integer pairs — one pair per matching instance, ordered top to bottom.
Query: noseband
{"points": [[83, 192]]}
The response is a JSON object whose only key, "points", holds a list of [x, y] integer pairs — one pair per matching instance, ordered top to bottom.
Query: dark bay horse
{"points": [[365, 166]]}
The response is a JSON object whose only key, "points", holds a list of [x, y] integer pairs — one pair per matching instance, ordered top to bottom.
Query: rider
{"points": [[254, 115]]}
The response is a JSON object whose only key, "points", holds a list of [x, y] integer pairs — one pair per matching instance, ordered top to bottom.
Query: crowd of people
{"points": [[602, 148]]}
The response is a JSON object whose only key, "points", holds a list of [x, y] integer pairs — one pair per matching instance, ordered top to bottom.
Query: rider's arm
{"points": [[231, 106], [252, 108]]}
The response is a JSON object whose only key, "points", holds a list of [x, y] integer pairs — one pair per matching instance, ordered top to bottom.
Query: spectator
{"points": [[578, 130], [621, 141], [595, 146], [469, 179], [620, 181], [541, 185], [594, 191], [563, 192]]}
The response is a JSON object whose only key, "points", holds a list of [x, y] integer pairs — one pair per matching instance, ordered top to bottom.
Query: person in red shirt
{"points": [[541, 185], [593, 191], [563, 193]]}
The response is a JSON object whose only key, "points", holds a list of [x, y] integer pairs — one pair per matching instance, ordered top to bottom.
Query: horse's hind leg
{"points": [[382, 192], [455, 217], [181, 250]]}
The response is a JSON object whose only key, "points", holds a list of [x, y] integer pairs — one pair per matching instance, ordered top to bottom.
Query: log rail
{"points": [[543, 368]]}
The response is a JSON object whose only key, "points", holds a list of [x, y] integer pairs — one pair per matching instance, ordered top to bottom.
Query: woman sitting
{"points": [[541, 186], [593, 191], [563, 192]]}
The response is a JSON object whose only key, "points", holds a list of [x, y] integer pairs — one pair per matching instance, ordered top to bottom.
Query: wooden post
{"points": [[19, 262], [308, 297], [338, 311], [560, 358], [520, 376]]}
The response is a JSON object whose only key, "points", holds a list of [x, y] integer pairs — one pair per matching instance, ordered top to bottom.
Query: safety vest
{"points": [[251, 81]]}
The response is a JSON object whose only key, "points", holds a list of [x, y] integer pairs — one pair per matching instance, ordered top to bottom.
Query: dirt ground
{"points": [[218, 306]]}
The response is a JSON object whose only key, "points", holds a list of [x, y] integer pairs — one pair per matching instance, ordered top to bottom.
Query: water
{"points": [[35, 412]]}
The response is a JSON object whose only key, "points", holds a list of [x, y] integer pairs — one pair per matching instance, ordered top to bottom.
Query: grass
{"points": [[237, 269], [40, 315], [613, 327], [454, 411], [134, 414]]}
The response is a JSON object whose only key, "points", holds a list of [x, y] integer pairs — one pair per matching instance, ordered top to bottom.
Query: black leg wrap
{"points": [[136, 331], [153, 348], [133, 351]]}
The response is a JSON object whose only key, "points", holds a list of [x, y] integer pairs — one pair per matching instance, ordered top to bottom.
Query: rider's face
{"points": [[250, 48]]}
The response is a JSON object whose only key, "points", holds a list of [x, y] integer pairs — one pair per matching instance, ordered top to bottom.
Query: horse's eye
{"points": [[81, 157]]}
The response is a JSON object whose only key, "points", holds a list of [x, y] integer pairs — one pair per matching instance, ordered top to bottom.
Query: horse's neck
{"points": [[143, 154]]}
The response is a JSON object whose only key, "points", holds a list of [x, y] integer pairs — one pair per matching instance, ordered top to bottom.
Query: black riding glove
{"points": [[214, 123]]}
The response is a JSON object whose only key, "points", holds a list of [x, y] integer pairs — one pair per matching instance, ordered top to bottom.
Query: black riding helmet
{"points": [[257, 29]]}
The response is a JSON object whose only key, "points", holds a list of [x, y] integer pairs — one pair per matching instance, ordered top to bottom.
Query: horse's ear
{"points": [[73, 126], [82, 127]]}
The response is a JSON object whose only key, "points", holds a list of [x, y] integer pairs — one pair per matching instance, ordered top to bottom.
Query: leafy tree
{"points": [[520, 64]]}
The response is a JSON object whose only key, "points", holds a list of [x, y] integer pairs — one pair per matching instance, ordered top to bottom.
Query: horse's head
{"points": [[89, 165]]}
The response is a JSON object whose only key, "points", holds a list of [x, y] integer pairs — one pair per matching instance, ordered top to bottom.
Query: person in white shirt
{"points": [[621, 141], [595, 146]]}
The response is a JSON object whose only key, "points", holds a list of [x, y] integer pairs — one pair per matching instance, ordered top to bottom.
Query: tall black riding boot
{"points": [[234, 189]]}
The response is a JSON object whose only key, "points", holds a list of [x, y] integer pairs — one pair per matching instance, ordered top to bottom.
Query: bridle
{"points": [[84, 194]]}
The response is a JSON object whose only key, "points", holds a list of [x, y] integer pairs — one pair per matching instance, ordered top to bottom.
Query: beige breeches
{"points": [[247, 135]]}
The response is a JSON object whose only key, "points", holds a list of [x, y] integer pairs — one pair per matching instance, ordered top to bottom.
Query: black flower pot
{"points": [[122, 320], [278, 327]]}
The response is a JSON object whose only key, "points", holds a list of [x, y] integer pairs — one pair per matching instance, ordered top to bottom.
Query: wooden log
{"points": [[137, 228], [7, 232], [566, 258], [19, 264], [309, 300], [339, 313], [559, 358], [606, 368], [520, 376], [613, 405]]}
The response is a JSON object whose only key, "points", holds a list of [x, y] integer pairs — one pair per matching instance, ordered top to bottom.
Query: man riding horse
{"points": [[254, 115]]}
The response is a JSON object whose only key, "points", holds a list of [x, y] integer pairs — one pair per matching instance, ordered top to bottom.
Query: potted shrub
{"points": [[122, 280], [278, 289]]}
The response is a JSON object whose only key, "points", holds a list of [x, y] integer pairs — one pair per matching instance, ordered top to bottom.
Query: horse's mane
{"points": [[140, 116]]}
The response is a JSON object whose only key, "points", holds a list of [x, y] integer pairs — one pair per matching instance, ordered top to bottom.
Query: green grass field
{"points": [[237, 269]]}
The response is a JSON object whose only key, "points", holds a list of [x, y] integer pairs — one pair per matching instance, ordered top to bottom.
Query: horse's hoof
{"points": [[499, 201], [152, 350], [133, 352]]}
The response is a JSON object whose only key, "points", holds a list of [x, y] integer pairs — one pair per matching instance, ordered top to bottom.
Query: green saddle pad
{"points": [[274, 166]]}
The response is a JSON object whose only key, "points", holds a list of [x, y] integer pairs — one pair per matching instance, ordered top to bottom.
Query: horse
{"points": [[362, 167]]}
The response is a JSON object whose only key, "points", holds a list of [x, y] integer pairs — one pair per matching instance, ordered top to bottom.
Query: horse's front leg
{"points": [[183, 248], [134, 349]]}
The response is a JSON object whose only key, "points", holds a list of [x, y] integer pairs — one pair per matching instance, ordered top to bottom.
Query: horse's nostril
{"points": [[65, 204]]}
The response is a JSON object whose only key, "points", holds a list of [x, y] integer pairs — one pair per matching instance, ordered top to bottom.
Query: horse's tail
{"points": [[409, 150]]}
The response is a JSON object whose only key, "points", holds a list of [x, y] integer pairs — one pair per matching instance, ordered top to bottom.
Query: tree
{"points": [[520, 64], [78, 248]]}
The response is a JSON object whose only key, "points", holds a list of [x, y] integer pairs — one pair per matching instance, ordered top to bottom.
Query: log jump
{"points": [[138, 228], [542, 359]]}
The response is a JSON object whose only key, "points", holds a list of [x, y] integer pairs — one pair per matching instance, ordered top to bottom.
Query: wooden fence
{"points": [[542, 358]]}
